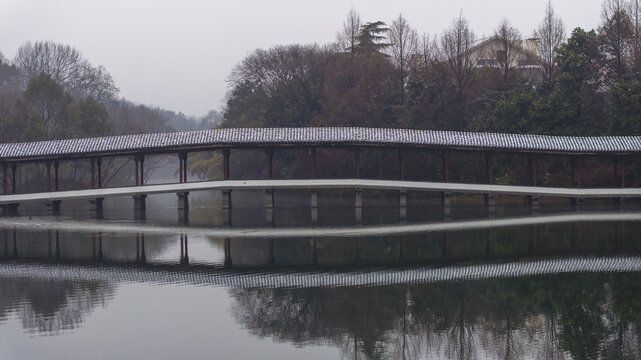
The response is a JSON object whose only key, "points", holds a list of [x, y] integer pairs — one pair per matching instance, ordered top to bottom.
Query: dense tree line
{"points": [[375, 75]]}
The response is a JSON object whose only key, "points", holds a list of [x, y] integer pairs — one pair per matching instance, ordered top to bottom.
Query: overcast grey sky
{"points": [[178, 54]]}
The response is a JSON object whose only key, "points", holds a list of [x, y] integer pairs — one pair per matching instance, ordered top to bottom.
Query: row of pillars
{"points": [[139, 159]]}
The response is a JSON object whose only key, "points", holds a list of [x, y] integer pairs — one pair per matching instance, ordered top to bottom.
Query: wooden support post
{"points": [[226, 154], [185, 155], [270, 155], [445, 158], [182, 160], [357, 162], [531, 162], [99, 163], [314, 163], [401, 164], [489, 168], [142, 169], [180, 169], [137, 170], [573, 171], [576, 171], [579, 171], [615, 172], [623, 172], [93, 173], [56, 175], [48, 176], [13, 178], [4, 179], [576, 179], [615, 179], [269, 193], [313, 201], [358, 206]]}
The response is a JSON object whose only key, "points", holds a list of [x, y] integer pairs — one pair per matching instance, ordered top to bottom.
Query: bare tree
{"points": [[635, 10], [550, 35], [615, 36], [348, 37], [509, 39], [404, 43], [456, 43], [427, 51], [65, 65], [286, 79]]}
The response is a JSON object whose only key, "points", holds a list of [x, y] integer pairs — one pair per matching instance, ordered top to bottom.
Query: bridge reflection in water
{"points": [[447, 290]]}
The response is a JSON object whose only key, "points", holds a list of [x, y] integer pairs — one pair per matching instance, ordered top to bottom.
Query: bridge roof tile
{"points": [[127, 144]]}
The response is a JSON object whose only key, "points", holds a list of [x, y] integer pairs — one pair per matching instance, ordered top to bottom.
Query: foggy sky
{"points": [[178, 54]]}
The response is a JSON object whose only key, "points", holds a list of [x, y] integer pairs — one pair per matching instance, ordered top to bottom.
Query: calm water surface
{"points": [[561, 283]]}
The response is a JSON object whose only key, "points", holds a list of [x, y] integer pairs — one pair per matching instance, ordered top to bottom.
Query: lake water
{"points": [[554, 283]]}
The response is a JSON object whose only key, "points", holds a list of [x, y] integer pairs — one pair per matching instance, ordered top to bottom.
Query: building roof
{"points": [[328, 136]]}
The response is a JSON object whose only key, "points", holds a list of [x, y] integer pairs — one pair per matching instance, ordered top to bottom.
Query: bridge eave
{"points": [[249, 146]]}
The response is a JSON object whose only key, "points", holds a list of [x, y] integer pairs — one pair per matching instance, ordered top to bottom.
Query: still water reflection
{"points": [[73, 287]]}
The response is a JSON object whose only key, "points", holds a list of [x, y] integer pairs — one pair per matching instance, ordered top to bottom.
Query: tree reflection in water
{"points": [[48, 307], [580, 316]]}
